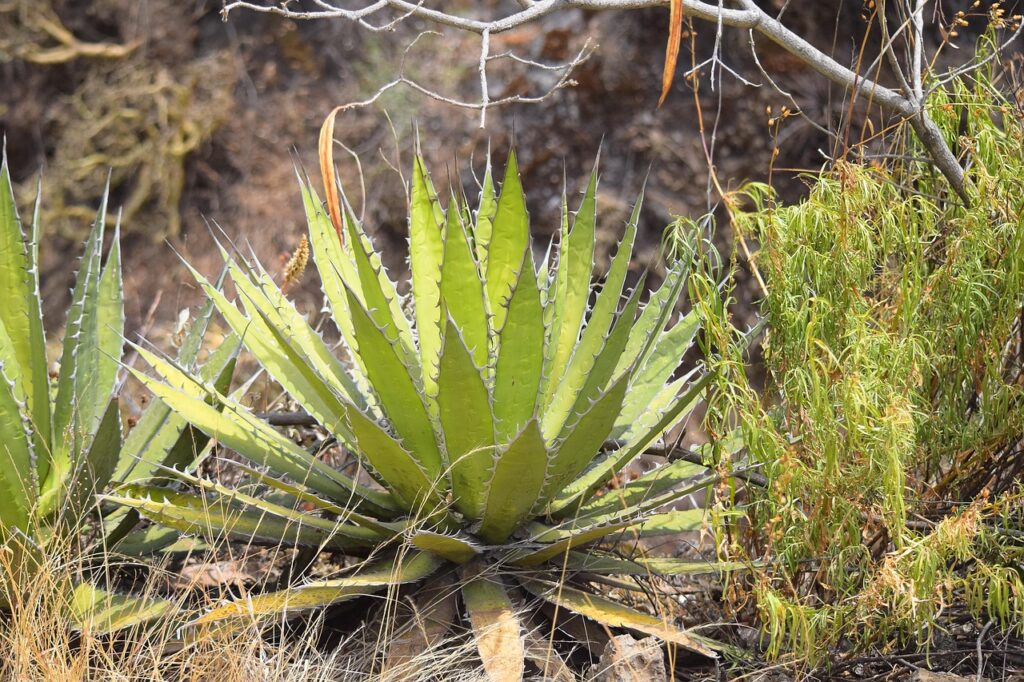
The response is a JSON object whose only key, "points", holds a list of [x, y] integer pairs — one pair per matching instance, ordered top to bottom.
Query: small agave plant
{"points": [[489, 424], [61, 444]]}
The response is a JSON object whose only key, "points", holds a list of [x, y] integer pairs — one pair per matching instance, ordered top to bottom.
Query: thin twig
{"points": [[747, 16]]}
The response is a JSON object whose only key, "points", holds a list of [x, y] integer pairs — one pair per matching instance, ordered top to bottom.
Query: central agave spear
{"points": [[482, 421]]}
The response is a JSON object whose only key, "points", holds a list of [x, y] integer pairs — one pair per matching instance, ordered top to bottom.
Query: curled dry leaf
{"points": [[675, 34], [326, 153]]}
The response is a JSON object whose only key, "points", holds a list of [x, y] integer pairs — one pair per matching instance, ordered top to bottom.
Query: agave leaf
{"points": [[485, 212], [509, 241], [426, 251], [335, 266], [575, 266], [551, 281], [463, 291], [378, 293], [277, 308], [21, 315], [601, 317], [653, 318], [275, 330], [98, 348], [283, 362], [88, 366], [518, 370], [13, 371], [603, 371], [589, 372], [650, 380], [400, 397], [327, 405], [646, 416], [467, 423], [235, 427], [162, 437], [583, 439], [397, 468], [91, 471], [18, 484], [516, 484], [650, 485], [584, 487], [236, 496], [301, 496], [640, 512], [214, 517], [670, 523], [562, 540], [146, 541], [451, 547], [608, 564], [407, 569], [98, 611], [613, 614], [424, 621], [496, 627], [543, 655]]}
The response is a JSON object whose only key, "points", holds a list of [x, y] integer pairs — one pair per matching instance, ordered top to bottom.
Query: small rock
{"points": [[626, 659], [921, 675]]}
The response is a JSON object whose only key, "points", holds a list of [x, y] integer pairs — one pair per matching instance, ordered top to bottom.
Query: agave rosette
{"points": [[489, 419], [61, 441]]}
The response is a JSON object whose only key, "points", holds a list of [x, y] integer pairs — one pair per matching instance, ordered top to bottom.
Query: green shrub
{"points": [[891, 426]]}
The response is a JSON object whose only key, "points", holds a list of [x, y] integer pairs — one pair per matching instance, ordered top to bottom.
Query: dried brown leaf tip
{"points": [[675, 36], [326, 153], [296, 265]]}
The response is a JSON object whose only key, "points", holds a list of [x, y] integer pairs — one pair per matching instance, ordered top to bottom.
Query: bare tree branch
{"points": [[906, 102]]}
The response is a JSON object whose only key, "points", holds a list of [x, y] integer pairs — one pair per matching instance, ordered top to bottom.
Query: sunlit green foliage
{"points": [[892, 423]]}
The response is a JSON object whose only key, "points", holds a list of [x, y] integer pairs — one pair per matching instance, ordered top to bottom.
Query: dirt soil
{"points": [[201, 121]]}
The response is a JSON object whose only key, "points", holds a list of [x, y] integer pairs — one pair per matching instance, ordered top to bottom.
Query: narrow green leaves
{"points": [[509, 240], [426, 252], [575, 265], [462, 289], [21, 314], [520, 360], [400, 397], [467, 423], [515, 485], [406, 569]]}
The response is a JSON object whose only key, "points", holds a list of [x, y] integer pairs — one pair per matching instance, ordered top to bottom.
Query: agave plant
{"points": [[488, 425], [61, 444]]}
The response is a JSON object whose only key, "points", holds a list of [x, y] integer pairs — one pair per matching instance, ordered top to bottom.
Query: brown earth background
{"points": [[202, 121]]}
